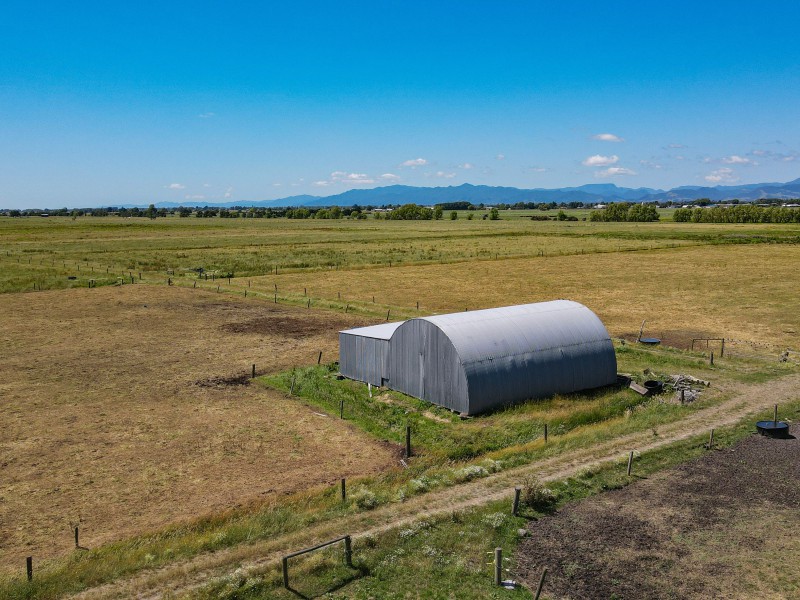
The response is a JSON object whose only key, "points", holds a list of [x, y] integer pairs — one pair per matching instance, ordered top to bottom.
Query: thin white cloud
{"points": [[206, 115], [607, 137], [675, 146], [777, 156], [500, 157], [735, 159], [600, 161], [414, 162], [649, 164], [466, 166], [535, 169], [613, 172], [444, 175], [723, 175], [390, 177], [345, 178], [206, 185], [277, 185], [175, 186], [229, 192], [194, 197]]}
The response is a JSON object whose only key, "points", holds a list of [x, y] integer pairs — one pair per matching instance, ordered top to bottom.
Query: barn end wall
{"points": [[362, 358], [423, 363]]}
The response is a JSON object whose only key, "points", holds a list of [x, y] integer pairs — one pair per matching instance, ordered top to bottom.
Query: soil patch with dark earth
{"points": [[286, 325], [717, 527]]}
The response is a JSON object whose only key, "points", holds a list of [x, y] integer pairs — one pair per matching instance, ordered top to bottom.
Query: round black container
{"points": [[650, 341], [653, 386], [776, 429]]}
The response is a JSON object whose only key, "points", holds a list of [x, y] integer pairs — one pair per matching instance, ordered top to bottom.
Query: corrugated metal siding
{"points": [[363, 352], [480, 360], [423, 363]]}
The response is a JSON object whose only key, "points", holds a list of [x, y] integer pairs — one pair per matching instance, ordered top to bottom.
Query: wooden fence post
{"points": [[319, 358], [711, 359], [254, 372], [341, 409], [545, 433], [711, 439], [408, 441], [630, 463], [344, 490], [515, 505], [77, 545], [348, 551], [498, 565], [29, 567], [541, 585]]}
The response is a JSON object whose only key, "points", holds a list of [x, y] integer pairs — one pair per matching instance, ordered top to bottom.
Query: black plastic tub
{"points": [[650, 341], [653, 386], [776, 429]]}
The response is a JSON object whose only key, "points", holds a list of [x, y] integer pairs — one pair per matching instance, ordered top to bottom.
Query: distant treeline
{"points": [[625, 211], [742, 213]]}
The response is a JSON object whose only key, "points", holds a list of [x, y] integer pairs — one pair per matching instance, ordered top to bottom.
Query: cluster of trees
{"points": [[626, 211], [334, 212], [742, 213]]}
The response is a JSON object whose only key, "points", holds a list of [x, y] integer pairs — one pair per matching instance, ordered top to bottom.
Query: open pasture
{"points": [[45, 252], [128, 409]]}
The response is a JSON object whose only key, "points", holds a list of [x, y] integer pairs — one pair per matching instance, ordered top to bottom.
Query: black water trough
{"points": [[650, 341], [653, 386], [775, 429]]}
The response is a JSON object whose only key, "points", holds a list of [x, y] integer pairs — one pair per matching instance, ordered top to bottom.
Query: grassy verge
{"points": [[448, 556]]}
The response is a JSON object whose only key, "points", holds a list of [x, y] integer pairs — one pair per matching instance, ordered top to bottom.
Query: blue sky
{"points": [[107, 103]]}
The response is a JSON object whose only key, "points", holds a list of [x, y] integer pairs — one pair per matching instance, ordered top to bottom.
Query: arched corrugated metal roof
{"points": [[516, 330]]}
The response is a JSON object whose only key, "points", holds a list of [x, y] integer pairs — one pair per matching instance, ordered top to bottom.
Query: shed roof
{"points": [[383, 331]]}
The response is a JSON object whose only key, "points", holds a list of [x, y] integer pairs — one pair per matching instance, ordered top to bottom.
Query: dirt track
{"points": [[183, 577]]}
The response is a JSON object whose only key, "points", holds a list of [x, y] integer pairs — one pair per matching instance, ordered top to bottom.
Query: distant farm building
{"points": [[471, 362]]}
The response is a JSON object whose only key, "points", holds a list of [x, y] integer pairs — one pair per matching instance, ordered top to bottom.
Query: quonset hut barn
{"points": [[471, 362]]}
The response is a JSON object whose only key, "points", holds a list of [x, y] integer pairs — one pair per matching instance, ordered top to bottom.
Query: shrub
{"points": [[469, 473], [536, 495], [365, 499]]}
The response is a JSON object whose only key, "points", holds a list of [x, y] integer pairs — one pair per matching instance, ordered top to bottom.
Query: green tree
{"points": [[494, 215], [453, 216]]}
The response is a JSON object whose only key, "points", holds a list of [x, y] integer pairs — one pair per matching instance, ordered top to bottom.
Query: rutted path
{"points": [[184, 577]]}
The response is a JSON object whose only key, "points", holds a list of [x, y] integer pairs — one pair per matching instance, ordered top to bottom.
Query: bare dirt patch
{"points": [[288, 325], [124, 408], [716, 527]]}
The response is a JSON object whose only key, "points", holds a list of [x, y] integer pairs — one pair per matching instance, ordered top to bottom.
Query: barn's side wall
{"points": [[362, 358], [423, 363], [540, 374]]}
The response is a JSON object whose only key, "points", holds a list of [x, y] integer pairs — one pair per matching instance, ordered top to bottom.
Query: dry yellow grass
{"points": [[746, 292], [104, 419]]}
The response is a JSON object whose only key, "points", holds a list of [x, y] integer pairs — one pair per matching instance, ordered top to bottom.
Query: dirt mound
{"points": [[661, 537]]}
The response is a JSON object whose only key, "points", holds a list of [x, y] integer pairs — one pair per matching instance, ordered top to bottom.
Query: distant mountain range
{"points": [[488, 195]]}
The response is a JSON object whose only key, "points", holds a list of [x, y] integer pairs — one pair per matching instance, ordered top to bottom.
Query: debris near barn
{"points": [[686, 387]]}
